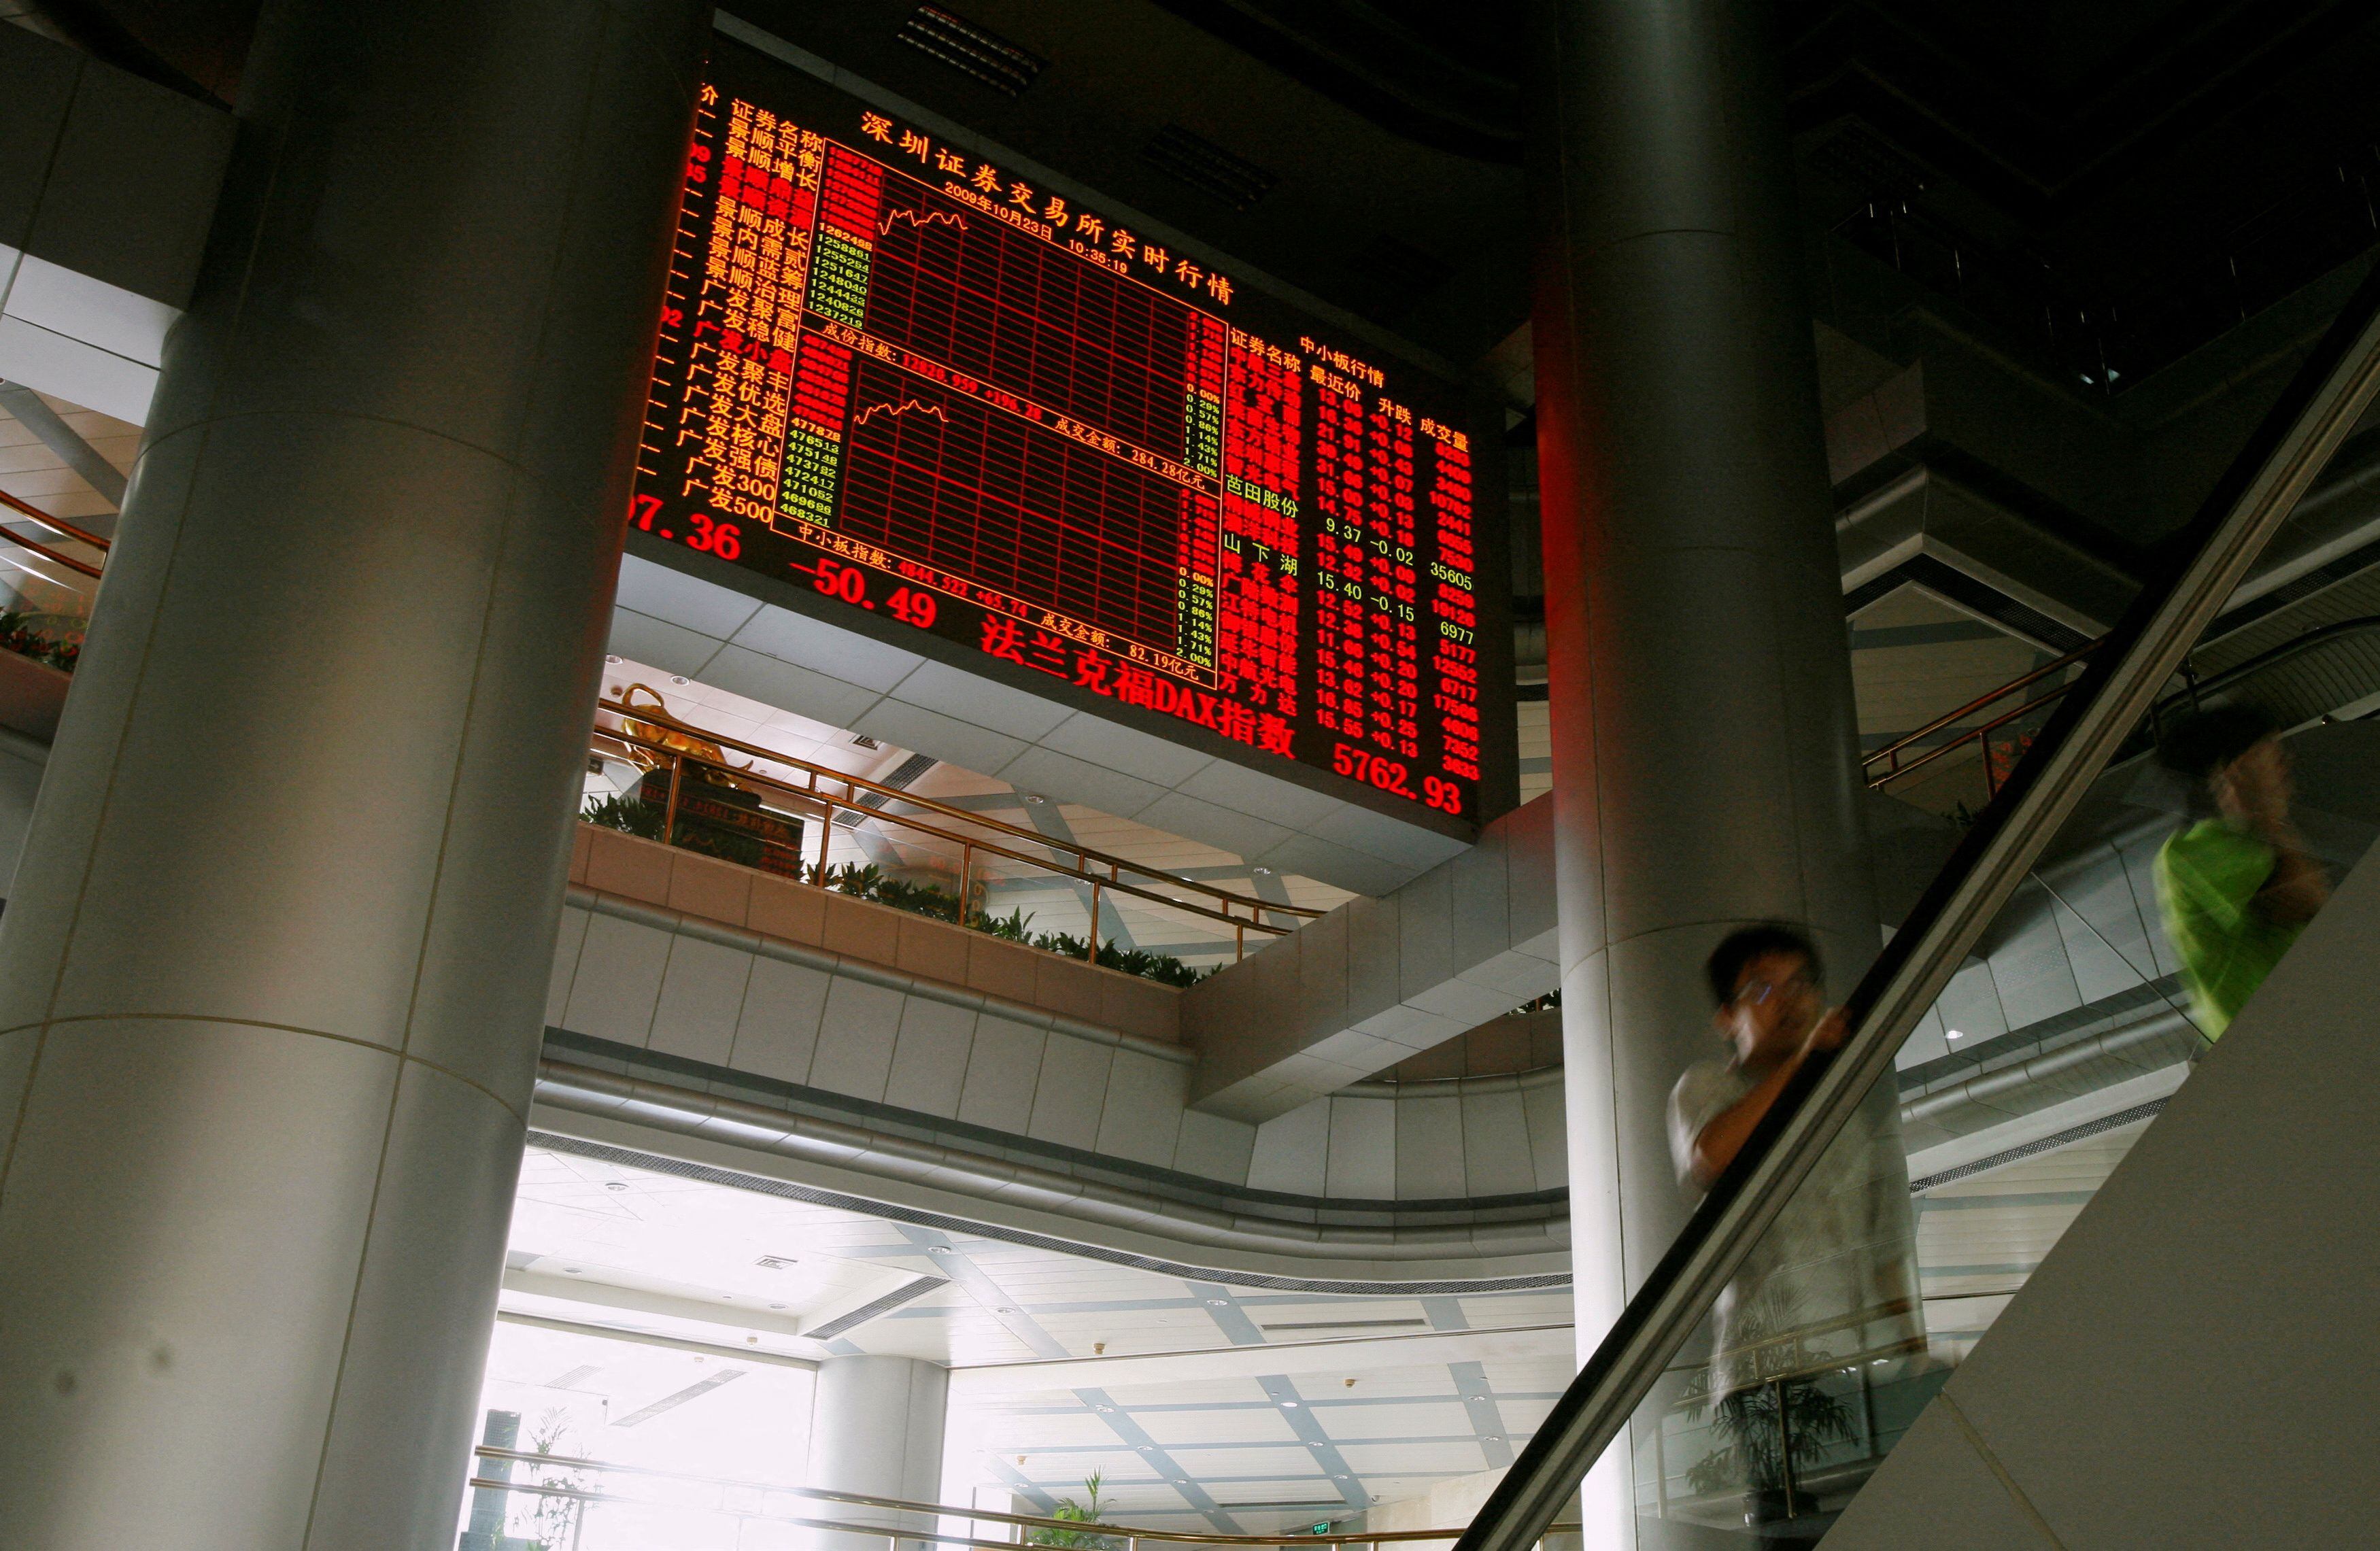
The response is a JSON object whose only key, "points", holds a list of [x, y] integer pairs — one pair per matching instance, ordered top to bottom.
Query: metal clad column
{"points": [[1704, 753], [272, 965], [875, 1429]]}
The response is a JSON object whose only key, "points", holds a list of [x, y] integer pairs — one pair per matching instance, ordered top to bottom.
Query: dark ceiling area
{"points": [[2100, 187]]}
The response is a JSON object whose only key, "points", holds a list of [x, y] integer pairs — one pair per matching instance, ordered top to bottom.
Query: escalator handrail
{"points": [[2290, 448], [2272, 657]]}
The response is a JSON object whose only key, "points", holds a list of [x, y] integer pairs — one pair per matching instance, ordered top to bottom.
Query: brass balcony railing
{"points": [[64, 530], [703, 796]]}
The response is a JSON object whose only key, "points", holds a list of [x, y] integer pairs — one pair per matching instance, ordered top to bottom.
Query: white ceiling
{"points": [[1383, 1411]]}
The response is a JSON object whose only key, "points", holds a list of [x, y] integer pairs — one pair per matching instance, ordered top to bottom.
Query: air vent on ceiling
{"points": [[963, 45], [1208, 167], [861, 740], [901, 774], [776, 1262], [916, 1287]]}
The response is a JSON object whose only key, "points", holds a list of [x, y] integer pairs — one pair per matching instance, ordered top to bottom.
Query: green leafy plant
{"points": [[630, 816], [852, 879], [867, 881], [917, 899], [1010, 927], [1162, 967], [1761, 1421], [1085, 1510], [557, 1518]]}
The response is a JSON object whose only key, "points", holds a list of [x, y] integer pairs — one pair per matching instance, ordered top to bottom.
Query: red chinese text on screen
{"points": [[930, 389]]}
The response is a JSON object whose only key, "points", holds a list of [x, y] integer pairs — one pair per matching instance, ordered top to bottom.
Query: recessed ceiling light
{"points": [[611, 659], [678, 678], [1264, 872], [1956, 1035], [615, 1184], [938, 1249], [570, 1270], [1220, 1303], [776, 1306], [1291, 1404]]}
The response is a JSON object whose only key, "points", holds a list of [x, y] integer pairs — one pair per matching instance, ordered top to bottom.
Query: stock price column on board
{"points": [[931, 389]]}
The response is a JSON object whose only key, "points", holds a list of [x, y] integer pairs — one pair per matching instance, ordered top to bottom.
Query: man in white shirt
{"points": [[1834, 1281]]}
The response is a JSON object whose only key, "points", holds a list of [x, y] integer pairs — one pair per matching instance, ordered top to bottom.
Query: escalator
{"points": [[2182, 1366]]}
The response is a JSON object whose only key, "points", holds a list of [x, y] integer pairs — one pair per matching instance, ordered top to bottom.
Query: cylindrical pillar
{"points": [[1705, 773], [273, 967], [875, 1429]]}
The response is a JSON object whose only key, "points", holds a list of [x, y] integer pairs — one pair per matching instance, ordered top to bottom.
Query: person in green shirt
{"points": [[2235, 888]]}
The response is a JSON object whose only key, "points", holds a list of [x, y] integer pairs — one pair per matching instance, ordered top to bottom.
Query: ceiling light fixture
{"points": [[1291, 1404]]}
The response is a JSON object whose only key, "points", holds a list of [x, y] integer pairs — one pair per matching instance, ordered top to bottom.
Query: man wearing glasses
{"points": [[1833, 1283]]}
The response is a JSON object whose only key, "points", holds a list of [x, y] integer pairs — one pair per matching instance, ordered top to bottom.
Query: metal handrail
{"points": [[2338, 381], [27, 509], [56, 525], [2297, 646], [1891, 751], [656, 756], [893, 793], [969, 846], [902, 1505]]}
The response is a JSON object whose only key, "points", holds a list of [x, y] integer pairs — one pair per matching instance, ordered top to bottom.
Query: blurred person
{"points": [[2234, 887], [1834, 1279]]}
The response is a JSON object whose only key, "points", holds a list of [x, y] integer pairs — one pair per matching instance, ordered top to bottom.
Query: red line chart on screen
{"points": [[924, 386]]}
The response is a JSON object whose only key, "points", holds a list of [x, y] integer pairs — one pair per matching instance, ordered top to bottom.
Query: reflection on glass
{"points": [[1783, 1398]]}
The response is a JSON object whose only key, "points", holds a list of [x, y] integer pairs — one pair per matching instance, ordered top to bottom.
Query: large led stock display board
{"points": [[929, 388]]}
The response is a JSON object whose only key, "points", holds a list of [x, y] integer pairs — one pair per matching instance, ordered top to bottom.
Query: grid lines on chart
{"points": [[956, 483]]}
